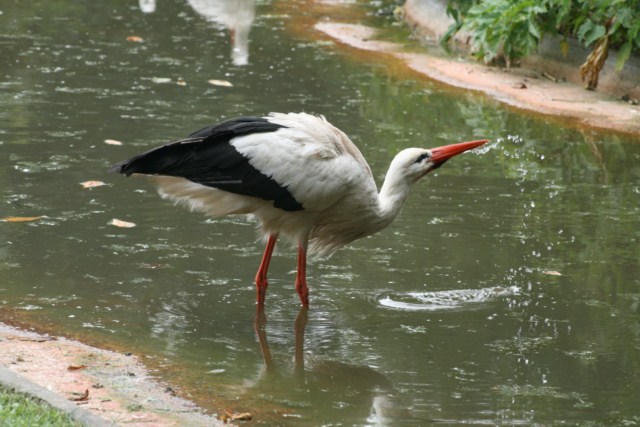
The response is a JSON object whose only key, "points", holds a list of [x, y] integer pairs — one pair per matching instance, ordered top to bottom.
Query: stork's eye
{"points": [[422, 157]]}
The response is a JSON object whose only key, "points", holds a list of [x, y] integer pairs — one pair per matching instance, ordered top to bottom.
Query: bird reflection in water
{"points": [[147, 6], [234, 15], [322, 389]]}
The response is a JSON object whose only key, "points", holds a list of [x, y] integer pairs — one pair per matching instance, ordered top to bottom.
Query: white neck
{"points": [[393, 194]]}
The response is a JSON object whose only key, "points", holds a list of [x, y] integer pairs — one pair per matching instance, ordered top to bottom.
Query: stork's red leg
{"points": [[261, 275], [301, 276]]}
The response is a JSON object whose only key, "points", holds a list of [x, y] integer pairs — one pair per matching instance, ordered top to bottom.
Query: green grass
{"points": [[18, 410]]}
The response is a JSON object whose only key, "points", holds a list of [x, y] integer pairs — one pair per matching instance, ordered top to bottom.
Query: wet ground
{"points": [[114, 386]]}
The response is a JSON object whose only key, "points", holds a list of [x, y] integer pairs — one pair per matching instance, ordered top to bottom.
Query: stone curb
{"points": [[13, 381]]}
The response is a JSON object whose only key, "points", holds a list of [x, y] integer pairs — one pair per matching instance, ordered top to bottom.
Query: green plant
{"points": [[504, 28], [513, 28]]}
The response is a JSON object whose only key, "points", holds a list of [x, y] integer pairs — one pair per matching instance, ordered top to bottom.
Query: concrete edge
{"points": [[13, 381]]}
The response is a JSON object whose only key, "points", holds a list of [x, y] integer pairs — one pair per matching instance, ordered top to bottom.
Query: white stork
{"points": [[300, 176]]}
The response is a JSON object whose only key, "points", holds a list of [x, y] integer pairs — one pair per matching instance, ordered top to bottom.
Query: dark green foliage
{"points": [[513, 28]]}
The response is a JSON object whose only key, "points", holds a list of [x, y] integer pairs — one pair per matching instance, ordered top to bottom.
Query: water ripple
{"points": [[445, 300]]}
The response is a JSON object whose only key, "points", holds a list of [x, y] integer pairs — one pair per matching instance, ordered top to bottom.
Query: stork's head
{"points": [[414, 163]]}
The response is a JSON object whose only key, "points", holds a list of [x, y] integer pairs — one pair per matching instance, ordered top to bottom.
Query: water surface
{"points": [[507, 291]]}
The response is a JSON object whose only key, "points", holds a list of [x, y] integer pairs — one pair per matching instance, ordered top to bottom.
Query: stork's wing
{"points": [[208, 157], [298, 161], [315, 161]]}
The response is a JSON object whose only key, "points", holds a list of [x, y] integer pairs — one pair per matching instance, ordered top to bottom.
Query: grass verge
{"points": [[18, 410]]}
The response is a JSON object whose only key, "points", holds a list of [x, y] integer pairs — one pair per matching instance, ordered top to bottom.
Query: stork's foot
{"points": [[301, 276], [261, 289], [303, 292]]}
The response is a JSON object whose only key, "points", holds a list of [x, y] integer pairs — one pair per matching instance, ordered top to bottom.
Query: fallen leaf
{"points": [[136, 39], [224, 83], [112, 142], [91, 184], [21, 218], [122, 224], [552, 273], [76, 368], [81, 398], [229, 415], [244, 416]]}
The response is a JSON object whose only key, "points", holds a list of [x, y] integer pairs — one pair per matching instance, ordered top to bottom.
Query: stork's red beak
{"points": [[439, 155]]}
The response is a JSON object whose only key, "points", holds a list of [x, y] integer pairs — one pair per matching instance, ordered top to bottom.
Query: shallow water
{"points": [[507, 292]]}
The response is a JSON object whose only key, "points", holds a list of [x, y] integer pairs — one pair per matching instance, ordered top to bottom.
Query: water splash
{"points": [[446, 300]]}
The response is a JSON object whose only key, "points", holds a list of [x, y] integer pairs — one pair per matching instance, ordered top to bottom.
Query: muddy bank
{"points": [[521, 88], [116, 387]]}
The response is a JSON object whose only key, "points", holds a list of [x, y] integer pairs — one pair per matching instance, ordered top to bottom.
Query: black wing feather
{"points": [[207, 157]]}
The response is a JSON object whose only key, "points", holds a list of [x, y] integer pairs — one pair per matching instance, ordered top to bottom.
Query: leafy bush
{"points": [[504, 28], [512, 29]]}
